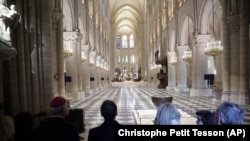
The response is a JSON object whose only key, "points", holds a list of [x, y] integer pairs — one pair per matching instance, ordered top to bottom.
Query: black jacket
{"points": [[56, 129], [104, 132]]}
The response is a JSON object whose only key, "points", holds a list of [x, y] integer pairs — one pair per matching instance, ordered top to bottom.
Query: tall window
{"points": [[180, 2], [170, 9], [163, 15], [118, 41], [124, 41], [131, 41], [132, 58], [119, 59], [126, 59]]}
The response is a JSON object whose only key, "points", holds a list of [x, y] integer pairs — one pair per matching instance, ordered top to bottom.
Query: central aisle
{"points": [[131, 98], [137, 99]]}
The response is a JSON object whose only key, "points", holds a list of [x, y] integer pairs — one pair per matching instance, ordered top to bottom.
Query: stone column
{"points": [[72, 40], [47, 56], [60, 58], [144, 58], [234, 58], [226, 60], [58, 67], [199, 67], [86, 70], [181, 70], [98, 72], [102, 73], [106, 73], [171, 73], [21, 75], [93, 76], [218, 76], [107, 79], [243, 81], [1, 90], [81, 93], [243, 97]]}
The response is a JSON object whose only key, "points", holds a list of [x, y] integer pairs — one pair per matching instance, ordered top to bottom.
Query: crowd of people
{"points": [[54, 128]]}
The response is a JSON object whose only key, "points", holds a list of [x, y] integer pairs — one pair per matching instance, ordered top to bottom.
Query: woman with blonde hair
{"points": [[167, 114], [7, 128]]}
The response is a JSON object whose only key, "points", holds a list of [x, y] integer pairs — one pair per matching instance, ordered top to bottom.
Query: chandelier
{"points": [[214, 47], [67, 51], [187, 56], [173, 60], [91, 64]]}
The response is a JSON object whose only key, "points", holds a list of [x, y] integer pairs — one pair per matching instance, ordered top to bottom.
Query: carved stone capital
{"points": [[55, 17], [233, 22], [72, 36], [201, 39], [182, 48], [171, 53], [92, 54]]}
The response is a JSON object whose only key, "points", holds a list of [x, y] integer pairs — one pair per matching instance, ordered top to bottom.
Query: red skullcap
{"points": [[57, 102]]}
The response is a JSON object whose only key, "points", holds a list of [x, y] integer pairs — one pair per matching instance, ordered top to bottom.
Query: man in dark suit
{"points": [[55, 128], [104, 132]]}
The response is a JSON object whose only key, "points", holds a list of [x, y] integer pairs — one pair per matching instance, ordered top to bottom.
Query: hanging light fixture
{"points": [[214, 47], [67, 51], [187, 54], [173, 60]]}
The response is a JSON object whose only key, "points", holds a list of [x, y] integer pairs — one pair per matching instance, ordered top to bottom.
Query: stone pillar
{"points": [[72, 40], [237, 50], [234, 54], [47, 56], [144, 58], [226, 60], [244, 60], [58, 61], [218, 62], [199, 67], [86, 70], [181, 70], [98, 72], [102, 73], [106, 73], [171, 73], [21, 76], [93, 76], [107, 78], [1, 90], [81, 94]]}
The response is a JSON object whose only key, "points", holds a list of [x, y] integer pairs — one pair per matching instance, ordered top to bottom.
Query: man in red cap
{"points": [[55, 128]]}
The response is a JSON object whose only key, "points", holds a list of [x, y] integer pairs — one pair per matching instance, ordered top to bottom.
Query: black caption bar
{"points": [[161, 132]]}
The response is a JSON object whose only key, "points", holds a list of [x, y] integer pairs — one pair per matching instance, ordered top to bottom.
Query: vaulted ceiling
{"points": [[126, 15]]}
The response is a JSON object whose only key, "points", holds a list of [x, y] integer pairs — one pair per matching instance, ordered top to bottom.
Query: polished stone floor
{"points": [[130, 98]]}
